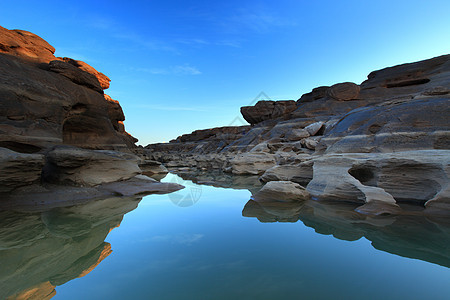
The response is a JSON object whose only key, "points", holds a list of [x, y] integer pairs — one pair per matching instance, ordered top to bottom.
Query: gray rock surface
{"points": [[384, 126], [82, 167], [19, 169], [282, 191]]}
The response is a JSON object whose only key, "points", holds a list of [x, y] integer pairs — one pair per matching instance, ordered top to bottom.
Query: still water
{"points": [[207, 242]]}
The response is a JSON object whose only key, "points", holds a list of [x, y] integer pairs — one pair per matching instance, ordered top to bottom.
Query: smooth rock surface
{"points": [[252, 163], [82, 167], [19, 169], [281, 191]]}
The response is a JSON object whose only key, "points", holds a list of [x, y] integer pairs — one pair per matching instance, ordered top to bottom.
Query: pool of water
{"points": [[213, 243]]}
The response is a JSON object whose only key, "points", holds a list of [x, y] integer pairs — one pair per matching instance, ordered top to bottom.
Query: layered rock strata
{"points": [[61, 137], [380, 143]]}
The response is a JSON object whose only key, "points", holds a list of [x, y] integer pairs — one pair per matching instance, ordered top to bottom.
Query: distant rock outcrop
{"points": [[379, 143]]}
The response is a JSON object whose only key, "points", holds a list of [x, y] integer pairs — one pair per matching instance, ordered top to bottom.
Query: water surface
{"points": [[213, 243]]}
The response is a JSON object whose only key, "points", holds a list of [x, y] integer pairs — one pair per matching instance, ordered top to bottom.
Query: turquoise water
{"points": [[196, 244]]}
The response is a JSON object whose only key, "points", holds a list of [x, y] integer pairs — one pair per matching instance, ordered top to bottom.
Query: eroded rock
{"points": [[252, 163], [82, 167], [19, 169], [281, 191]]}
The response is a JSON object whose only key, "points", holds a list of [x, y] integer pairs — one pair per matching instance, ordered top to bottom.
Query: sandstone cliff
{"points": [[58, 128], [380, 143]]}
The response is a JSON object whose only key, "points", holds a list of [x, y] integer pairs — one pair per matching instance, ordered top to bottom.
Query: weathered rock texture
{"points": [[48, 100], [61, 137], [379, 143], [42, 250]]}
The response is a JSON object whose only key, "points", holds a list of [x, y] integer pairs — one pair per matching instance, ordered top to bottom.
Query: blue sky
{"points": [[177, 66]]}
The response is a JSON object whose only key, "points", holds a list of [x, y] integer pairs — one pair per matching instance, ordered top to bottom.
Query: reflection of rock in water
{"points": [[220, 179], [409, 234], [39, 251]]}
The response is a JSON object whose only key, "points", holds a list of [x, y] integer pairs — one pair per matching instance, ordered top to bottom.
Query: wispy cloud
{"points": [[259, 21], [117, 31], [193, 41], [199, 42], [146, 43], [229, 43], [72, 53], [185, 69], [170, 108], [182, 239]]}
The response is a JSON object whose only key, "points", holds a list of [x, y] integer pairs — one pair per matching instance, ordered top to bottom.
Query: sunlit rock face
{"points": [[48, 100], [57, 127], [347, 142], [407, 234], [39, 251]]}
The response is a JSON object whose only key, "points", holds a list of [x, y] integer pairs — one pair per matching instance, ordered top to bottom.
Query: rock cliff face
{"points": [[48, 100], [56, 124], [379, 143]]}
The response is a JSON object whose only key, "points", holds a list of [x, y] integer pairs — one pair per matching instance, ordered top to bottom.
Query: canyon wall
{"points": [[384, 141]]}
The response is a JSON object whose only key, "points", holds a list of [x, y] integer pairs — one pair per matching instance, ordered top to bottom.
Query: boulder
{"points": [[25, 45], [344, 91], [267, 110], [314, 128], [297, 134], [311, 142], [252, 163], [82, 167], [150, 167], [19, 169], [301, 173], [415, 176], [332, 181], [281, 191]]}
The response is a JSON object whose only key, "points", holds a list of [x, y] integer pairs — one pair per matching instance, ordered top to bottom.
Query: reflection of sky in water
{"points": [[209, 251]]}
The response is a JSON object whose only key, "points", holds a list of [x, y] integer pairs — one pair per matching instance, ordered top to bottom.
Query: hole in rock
{"points": [[407, 82], [78, 108], [374, 128], [20, 147], [363, 173]]}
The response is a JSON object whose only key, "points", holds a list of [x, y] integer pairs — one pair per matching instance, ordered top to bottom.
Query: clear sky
{"points": [[177, 66]]}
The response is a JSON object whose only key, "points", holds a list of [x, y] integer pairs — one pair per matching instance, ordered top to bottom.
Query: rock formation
{"points": [[47, 100], [59, 131], [378, 144], [408, 234], [44, 249]]}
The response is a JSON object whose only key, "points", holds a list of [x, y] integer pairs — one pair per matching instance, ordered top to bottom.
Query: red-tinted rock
{"points": [[25, 45], [75, 74], [102, 78], [46, 101]]}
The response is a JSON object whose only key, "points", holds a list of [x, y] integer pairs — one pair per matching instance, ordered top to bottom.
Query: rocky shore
{"points": [[62, 139], [377, 144]]}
